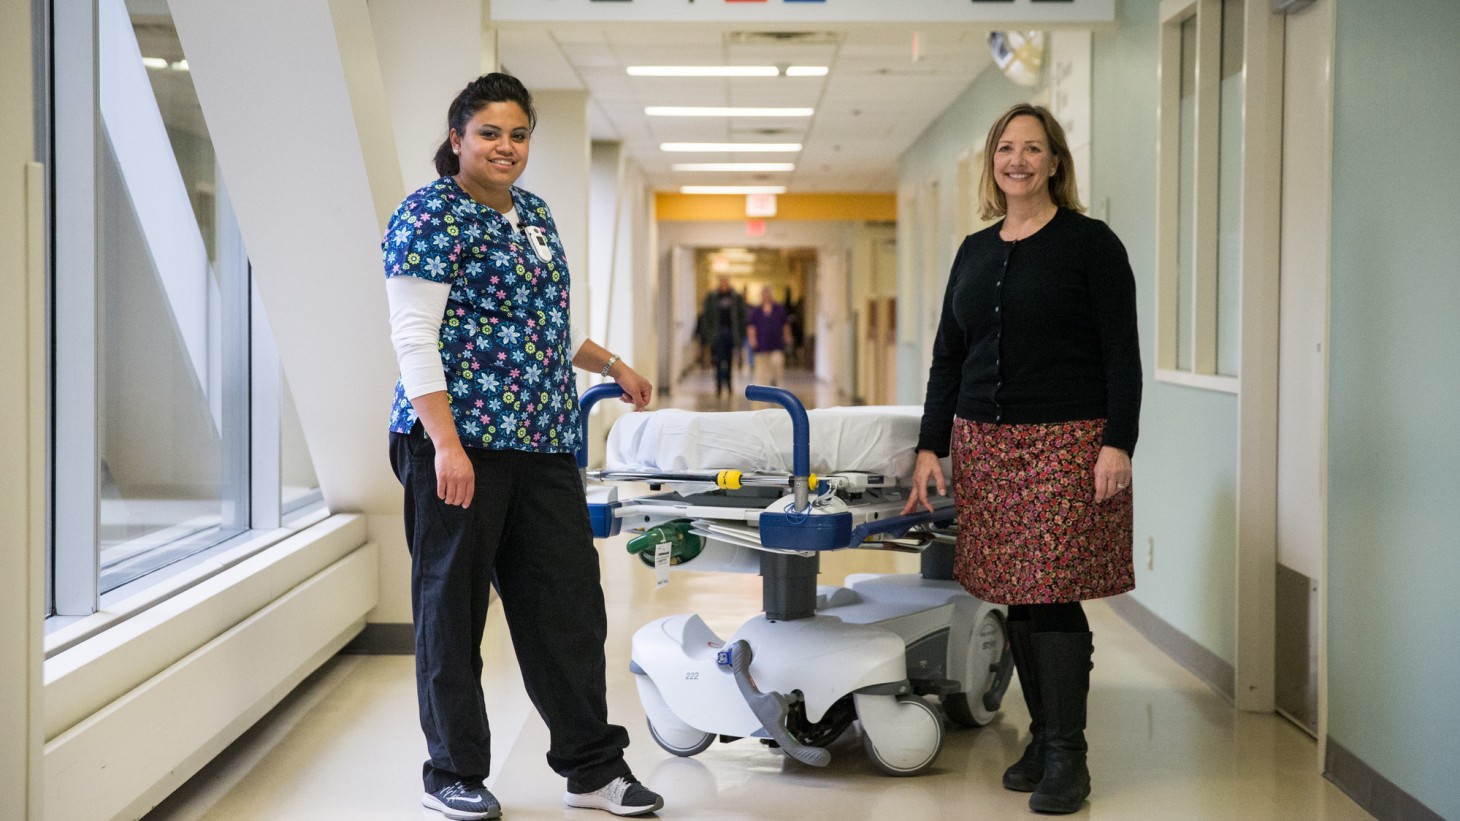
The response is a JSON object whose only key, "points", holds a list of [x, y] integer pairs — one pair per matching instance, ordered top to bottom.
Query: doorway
{"points": [[773, 281], [1302, 454]]}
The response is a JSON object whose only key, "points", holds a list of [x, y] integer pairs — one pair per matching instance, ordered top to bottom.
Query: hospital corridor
{"points": [[951, 409], [1170, 747]]}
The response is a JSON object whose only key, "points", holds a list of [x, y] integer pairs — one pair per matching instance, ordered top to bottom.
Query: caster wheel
{"points": [[992, 665], [668, 730], [902, 736], [684, 741]]}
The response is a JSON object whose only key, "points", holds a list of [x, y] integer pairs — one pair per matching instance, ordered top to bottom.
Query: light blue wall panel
{"points": [[1394, 456], [1185, 463]]}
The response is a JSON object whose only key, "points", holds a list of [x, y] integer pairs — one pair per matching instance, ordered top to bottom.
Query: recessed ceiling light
{"points": [[154, 62], [703, 71], [806, 71], [725, 111], [732, 147], [733, 166], [732, 189]]}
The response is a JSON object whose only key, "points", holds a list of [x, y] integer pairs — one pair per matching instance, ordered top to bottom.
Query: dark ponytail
{"points": [[488, 88]]}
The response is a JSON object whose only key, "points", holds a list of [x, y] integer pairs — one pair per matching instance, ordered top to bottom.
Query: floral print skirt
{"points": [[1029, 529]]}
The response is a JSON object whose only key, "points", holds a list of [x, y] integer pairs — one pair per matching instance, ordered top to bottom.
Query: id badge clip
{"points": [[537, 238]]}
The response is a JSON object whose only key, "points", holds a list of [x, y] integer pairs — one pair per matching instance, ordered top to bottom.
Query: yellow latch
{"points": [[728, 479]]}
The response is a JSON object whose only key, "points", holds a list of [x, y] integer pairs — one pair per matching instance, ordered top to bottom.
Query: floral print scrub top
{"points": [[505, 333]]}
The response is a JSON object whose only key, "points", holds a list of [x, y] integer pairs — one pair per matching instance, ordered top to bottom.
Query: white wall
{"points": [[421, 82], [558, 172], [311, 184], [873, 274], [624, 287], [621, 289], [831, 301], [21, 450]]}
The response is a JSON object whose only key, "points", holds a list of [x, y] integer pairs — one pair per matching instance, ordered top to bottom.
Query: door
{"points": [[1303, 365]]}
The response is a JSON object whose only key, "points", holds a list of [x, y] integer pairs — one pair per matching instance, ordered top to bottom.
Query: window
{"points": [[1199, 240], [172, 429]]}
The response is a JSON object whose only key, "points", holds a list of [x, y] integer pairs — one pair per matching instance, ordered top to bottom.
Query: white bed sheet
{"points": [[875, 439]]}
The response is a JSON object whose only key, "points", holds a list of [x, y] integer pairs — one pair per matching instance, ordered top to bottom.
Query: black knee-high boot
{"points": [[1064, 683], [1024, 774]]}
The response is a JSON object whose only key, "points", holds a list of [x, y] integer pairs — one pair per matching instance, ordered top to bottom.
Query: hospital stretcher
{"points": [[736, 492]]}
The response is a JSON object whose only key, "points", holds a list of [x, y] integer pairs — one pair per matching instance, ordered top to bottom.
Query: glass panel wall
{"points": [[1229, 189], [1186, 199], [174, 432]]}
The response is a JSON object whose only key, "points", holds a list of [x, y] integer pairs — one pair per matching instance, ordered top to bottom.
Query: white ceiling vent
{"points": [[782, 38]]}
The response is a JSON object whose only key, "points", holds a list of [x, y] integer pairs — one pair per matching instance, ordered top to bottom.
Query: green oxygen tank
{"points": [[683, 545]]}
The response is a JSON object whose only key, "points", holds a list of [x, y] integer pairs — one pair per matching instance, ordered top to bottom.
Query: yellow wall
{"points": [[673, 207]]}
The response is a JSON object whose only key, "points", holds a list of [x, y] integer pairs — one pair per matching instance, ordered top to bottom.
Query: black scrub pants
{"points": [[722, 352], [526, 533]]}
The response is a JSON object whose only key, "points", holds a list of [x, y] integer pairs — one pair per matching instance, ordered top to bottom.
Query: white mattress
{"points": [[876, 439]]}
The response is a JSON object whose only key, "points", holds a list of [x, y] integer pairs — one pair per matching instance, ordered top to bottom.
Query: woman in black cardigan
{"points": [[1035, 388]]}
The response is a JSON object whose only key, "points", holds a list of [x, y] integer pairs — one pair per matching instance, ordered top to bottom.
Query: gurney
{"points": [[757, 492]]}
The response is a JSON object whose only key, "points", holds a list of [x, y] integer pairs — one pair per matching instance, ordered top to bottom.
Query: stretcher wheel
{"points": [[992, 665], [668, 730], [902, 737], [683, 741]]}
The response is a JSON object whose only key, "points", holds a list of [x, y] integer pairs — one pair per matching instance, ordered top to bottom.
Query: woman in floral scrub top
{"points": [[484, 427]]}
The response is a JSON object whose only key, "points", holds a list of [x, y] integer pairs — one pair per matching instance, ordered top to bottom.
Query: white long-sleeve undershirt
{"points": [[416, 308]]}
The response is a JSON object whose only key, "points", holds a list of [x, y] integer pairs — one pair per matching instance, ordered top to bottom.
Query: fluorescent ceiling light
{"points": [[154, 62], [180, 65], [703, 71], [806, 71], [730, 111], [732, 147], [734, 166], [732, 189]]}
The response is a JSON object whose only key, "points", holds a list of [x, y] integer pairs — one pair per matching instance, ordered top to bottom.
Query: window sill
{"points": [[1208, 382], [136, 597]]}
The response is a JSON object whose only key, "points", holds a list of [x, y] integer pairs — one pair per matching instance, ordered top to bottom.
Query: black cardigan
{"points": [[1037, 330]]}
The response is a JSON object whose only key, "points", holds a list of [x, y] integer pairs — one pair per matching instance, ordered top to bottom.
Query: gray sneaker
{"points": [[622, 796], [463, 801]]}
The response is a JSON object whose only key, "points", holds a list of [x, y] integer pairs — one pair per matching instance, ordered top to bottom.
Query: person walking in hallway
{"points": [[724, 319], [769, 336], [1035, 389], [483, 430]]}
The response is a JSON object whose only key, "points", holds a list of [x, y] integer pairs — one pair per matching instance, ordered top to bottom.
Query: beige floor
{"points": [[346, 745]]}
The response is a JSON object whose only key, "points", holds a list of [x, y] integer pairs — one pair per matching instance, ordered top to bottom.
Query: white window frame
{"points": [[1207, 139], [1256, 384], [76, 552]]}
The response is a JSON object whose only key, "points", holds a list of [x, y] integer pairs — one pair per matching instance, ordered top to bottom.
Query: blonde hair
{"points": [[1062, 187]]}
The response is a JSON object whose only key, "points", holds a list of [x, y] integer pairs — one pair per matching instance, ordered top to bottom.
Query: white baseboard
{"points": [[122, 759]]}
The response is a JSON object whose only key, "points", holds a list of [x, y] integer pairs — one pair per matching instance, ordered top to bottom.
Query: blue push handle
{"points": [[586, 401], [800, 425]]}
